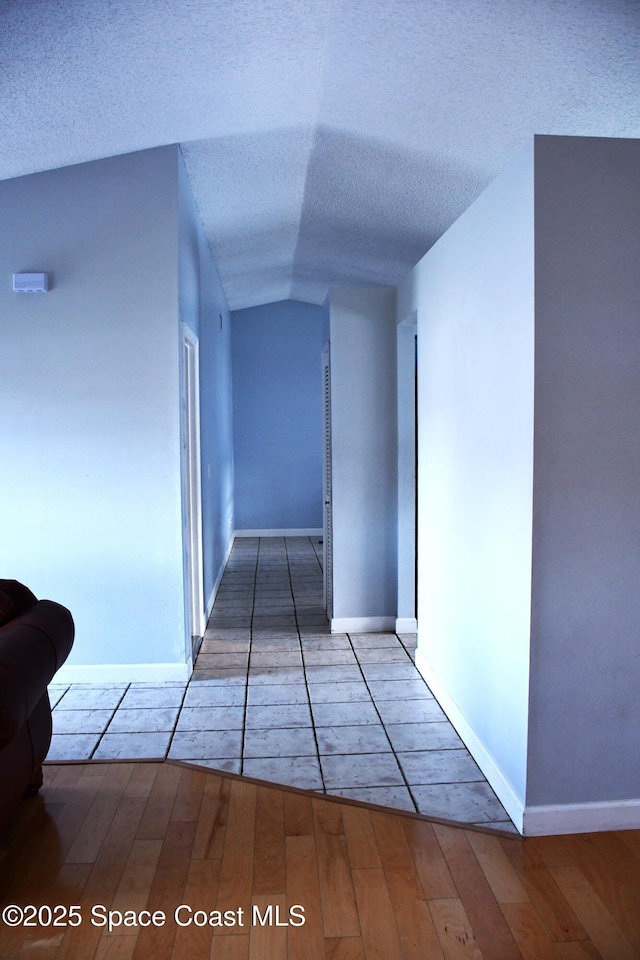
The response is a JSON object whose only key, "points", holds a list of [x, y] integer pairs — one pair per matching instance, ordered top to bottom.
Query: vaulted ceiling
{"points": [[327, 141]]}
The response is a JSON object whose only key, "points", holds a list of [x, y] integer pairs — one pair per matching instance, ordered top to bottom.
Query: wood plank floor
{"points": [[248, 861]]}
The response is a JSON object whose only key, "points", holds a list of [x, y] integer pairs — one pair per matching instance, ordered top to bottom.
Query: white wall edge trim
{"points": [[282, 532], [216, 586], [363, 625], [406, 625], [123, 672], [503, 788], [554, 819]]}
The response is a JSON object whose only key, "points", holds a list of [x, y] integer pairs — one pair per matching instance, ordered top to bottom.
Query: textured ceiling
{"points": [[327, 141]]}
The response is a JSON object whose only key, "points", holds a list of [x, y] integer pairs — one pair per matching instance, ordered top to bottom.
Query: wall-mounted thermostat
{"points": [[30, 282]]}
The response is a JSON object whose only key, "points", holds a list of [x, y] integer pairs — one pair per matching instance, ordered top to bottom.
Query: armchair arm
{"points": [[32, 648]]}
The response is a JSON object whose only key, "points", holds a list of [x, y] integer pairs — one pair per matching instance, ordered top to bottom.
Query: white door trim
{"points": [[407, 472], [327, 482], [192, 489]]}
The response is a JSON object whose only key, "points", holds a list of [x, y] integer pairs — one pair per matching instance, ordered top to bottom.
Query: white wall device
{"points": [[30, 282]]}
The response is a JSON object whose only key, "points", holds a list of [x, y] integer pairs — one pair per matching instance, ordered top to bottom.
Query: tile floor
{"points": [[274, 695]]}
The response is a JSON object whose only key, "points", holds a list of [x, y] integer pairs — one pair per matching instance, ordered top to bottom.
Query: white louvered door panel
{"points": [[327, 548]]}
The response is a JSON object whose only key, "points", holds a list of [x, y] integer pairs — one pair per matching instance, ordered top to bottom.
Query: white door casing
{"points": [[192, 494], [327, 520], [406, 621]]}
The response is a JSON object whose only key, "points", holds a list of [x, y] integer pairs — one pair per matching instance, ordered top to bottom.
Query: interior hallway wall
{"points": [[473, 292], [203, 307], [89, 403], [277, 416], [364, 458], [529, 473], [585, 665]]}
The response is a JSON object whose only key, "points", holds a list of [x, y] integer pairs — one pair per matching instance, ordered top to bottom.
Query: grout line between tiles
{"points": [[246, 679], [306, 681], [375, 705], [177, 720], [106, 726]]}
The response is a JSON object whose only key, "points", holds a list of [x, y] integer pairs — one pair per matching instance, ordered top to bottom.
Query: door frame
{"points": [[407, 475], [192, 491], [327, 512]]}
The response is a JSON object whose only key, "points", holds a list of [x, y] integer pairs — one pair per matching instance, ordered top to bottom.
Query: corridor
{"points": [[275, 696]]}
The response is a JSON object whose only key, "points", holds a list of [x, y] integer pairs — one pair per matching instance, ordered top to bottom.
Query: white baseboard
{"points": [[282, 532], [216, 586], [363, 625], [406, 625], [123, 672], [502, 787], [552, 820], [534, 821]]}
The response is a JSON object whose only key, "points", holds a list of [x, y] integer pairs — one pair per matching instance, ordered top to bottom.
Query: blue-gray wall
{"points": [[473, 292], [203, 307], [89, 403], [277, 415], [364, 456], [529, 471], [91, 483], [585, 664]]}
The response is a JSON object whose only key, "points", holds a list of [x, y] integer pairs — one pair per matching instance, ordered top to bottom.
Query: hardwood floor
{"points": [[373, 884]]}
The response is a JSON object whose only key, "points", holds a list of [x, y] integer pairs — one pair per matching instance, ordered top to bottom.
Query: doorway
{"points": [[407, 475], [192, 496], [327, 518]]}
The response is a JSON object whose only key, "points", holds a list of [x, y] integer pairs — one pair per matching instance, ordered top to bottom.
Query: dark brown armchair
{"points": [[36, 637]]}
